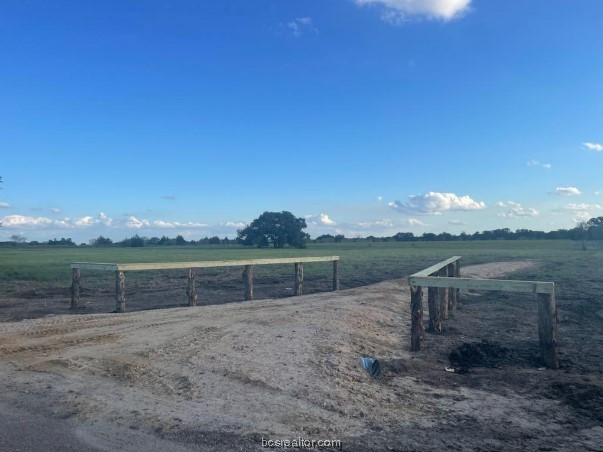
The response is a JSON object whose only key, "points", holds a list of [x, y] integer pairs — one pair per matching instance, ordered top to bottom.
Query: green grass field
{"points": [[361, 263]]}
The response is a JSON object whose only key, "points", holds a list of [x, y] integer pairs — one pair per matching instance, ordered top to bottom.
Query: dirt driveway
{"points": [[223, 377]]}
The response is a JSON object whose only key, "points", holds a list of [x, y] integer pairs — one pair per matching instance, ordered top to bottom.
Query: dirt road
{"points": [[223, 377]]}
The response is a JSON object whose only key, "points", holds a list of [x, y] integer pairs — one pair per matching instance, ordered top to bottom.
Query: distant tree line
{"points": [[258, 236], [137, 241]]}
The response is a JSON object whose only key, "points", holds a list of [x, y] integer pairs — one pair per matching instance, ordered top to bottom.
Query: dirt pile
{"points": [[478, 354]]}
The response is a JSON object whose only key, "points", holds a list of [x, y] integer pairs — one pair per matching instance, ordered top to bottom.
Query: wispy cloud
{"points": [[397, 12], [298, 27], [597, 147], [537, 163], [566, 191], [169, 197], [378, 198], [434, 203], [4, 205], [573, 207], [55, 210], [516, 210], [135, 223], [457, 223]]}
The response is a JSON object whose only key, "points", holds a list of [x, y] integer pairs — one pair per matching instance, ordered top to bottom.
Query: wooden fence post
{"points": [[457, 274], [335, 275], [299, 279], [248, 282], [75, 287], [190, 290], [120, 291], [452, 291], [443, 294], [435, 317], [547, 329], [417, 330]]}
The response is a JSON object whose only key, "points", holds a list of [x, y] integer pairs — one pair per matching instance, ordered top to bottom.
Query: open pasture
{"points": [[35, 281], [223, 377]]}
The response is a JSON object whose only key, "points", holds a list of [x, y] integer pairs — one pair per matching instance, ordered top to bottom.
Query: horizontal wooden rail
{"points": [[199, 264], [434, 268], [483, 284]]}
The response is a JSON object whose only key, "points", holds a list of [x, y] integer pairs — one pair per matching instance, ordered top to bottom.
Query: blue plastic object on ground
{"points": [[371, 365]]}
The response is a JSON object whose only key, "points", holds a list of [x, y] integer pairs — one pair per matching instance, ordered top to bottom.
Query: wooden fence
{"points": [[248, 264], [444, 282]]}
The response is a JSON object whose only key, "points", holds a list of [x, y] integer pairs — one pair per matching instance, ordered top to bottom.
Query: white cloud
{"points": [[399, 11], [300, 26], [597, 147], [538, 163], [567, 191], [379, 198], [434, 203], [508, 204], [4, 205], [571, 207], [55, 210], [516, 210], [580, 211], [581, 216], [104, 219], [322, 219], [17, 221], [22, 221], [84, 221], [414, 222], [135, 223], [457, 223], [163, 224], [177, 224], [190, 224], [234, 224]]}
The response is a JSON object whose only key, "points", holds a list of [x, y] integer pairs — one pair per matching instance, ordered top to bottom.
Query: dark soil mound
{"points": [[478, 354]]}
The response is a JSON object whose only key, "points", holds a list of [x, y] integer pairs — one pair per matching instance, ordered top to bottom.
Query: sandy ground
{"points": [[223, 377]]}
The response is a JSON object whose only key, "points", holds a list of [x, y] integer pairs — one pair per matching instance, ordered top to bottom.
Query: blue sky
{"points": [[363, 116]]}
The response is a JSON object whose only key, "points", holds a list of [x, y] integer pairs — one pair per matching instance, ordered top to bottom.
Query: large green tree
{"points": [[275, 229]]}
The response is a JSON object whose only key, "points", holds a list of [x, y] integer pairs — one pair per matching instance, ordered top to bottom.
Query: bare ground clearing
{"points": [[221, 377]]}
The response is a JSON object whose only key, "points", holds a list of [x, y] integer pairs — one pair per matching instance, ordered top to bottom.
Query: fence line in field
{"points": [[248, 264], [444, 282]]}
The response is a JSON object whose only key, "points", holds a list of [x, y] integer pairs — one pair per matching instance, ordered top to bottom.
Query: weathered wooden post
{"points": [[335, 275], [299, 279], [248, 282], [75, 287], [190, 290], [120, 291], [452, 292], [443, 294], [457, 297], [435, 316], [547, 329], [417, 330]]}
